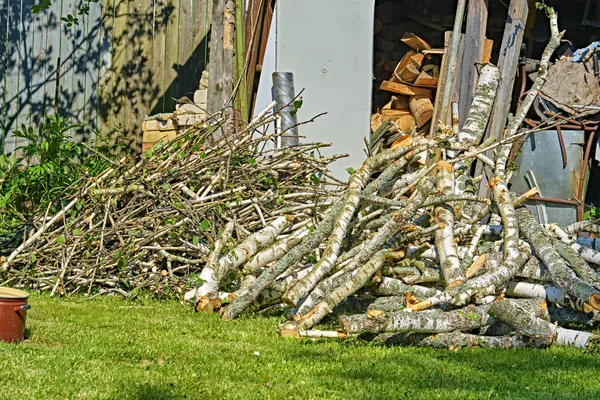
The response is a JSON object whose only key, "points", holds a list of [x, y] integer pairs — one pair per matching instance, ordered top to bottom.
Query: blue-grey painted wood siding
{"points": [[35, 45], [124, 60]]}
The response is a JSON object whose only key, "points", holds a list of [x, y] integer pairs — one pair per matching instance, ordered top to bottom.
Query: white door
{"points": [[328, 45]]}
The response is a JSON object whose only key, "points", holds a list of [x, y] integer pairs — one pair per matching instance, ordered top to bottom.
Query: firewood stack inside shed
{"points": [[412, 83]]}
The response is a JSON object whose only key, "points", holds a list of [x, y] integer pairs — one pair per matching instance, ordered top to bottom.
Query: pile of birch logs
{"points": [[410, 254]]}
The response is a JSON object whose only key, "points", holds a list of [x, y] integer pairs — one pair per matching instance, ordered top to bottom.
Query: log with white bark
{"points": [[384, 236], [444, 238], [334, 243], [578, 264], [215, 272], [562, 275], [210, 280], [550, 293], [464, 319], [541, 333], [453, 340]]}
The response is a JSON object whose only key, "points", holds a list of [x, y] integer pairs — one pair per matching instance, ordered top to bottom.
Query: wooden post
{"points": [[260, 14], [254, 24], [473, 44], [452, 59], [239, 61], [507, 65], [220, 85]]}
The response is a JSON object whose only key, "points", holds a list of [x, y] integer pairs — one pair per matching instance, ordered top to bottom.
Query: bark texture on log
{"points": [[473, 128], [357, 182], [444, 238], [369, 252], [580, 267], [561, 273], [212, 277], [356, 281], [465, 319], [525, 322], [541, 333], [453, 340]]}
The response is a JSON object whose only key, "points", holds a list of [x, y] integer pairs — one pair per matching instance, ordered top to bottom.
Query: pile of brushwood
{"points": [[150, 223], [405, 252]]}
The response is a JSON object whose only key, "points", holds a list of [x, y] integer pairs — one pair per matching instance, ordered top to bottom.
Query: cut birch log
{"points": [[415, 42], [408, 73], [425, 79], [421, 108], [444, 238], [274, 252], [366, 253], [368, 260], [212, 264], [578, 264], [213, 274], [562, 275], [356, 281], [396, 287], [550, 293], [566, 317], [434, 321], [525, 322], [540, 332], [453, 340]]}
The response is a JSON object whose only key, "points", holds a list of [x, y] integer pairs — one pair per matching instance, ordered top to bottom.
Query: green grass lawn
{"points": [[118, 349]]}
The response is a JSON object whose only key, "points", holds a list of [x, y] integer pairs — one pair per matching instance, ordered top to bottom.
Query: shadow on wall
{"points": [[32, 48], [156, 52], [121, 62]]}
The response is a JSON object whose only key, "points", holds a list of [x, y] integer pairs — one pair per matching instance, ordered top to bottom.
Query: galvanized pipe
{"points": [[284, 94]]}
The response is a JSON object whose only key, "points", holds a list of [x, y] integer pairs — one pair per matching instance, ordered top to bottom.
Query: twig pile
{"points": [[150, 225]]}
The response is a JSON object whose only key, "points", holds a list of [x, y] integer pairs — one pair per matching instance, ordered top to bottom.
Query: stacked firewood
{"points": [[413, 83], [411, 254]]}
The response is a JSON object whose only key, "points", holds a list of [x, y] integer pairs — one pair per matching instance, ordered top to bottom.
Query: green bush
{"points": [[44, 170]]}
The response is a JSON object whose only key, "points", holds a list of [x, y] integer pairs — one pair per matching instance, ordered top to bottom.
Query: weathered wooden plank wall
{"points": [[124, 60]]}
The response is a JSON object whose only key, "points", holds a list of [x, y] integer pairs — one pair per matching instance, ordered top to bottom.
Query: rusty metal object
{"points": [[590, 126], [563, 150], [586, 159], [556, 180], [555, 201]]}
